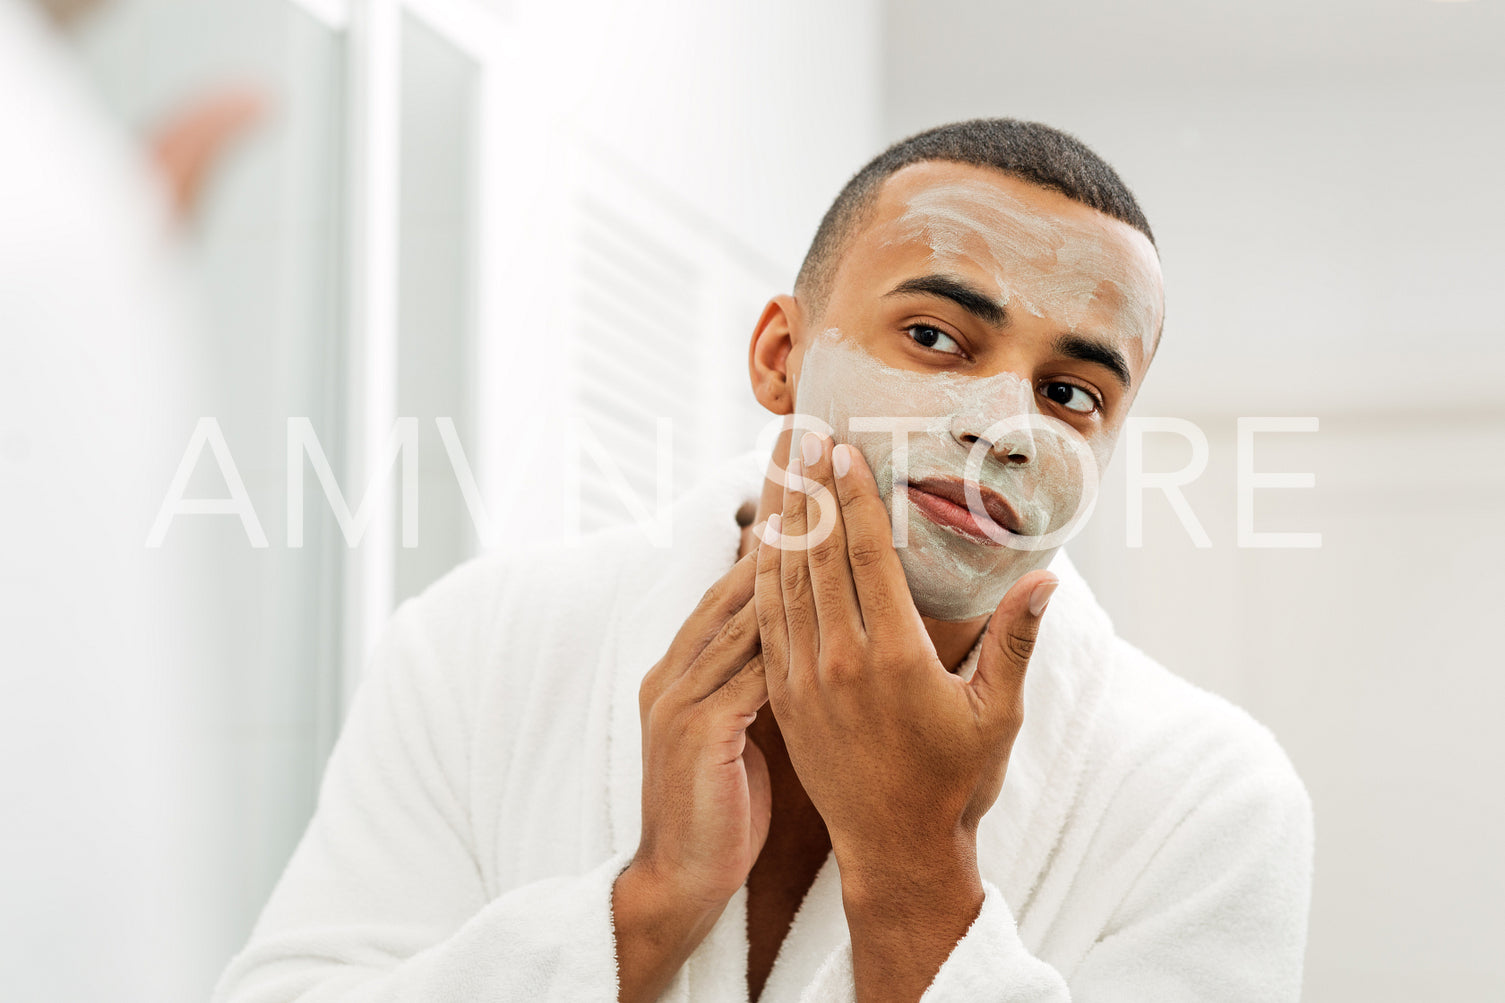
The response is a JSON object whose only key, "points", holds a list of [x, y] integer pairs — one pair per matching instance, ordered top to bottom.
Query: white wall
{"points": [[715, 136], [680, 156], [1323, 185], [264, 259], [109, 765]]}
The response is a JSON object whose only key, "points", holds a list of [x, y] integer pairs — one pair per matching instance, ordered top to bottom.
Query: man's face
{"points": [[1011, 326]]}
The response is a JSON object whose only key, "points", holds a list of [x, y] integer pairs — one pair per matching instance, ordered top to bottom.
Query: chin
{"points": [[952, 581]]}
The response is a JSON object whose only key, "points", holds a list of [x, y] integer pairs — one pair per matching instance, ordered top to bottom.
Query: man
{"points": [[866, 764]]}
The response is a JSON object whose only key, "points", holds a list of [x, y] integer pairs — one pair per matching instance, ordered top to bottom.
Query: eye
{"points": [[929, 337], [1072, 397]]}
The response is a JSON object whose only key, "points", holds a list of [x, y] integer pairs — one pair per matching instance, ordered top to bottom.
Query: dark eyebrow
{"points": [[963, 294], [994, 314], [1076, 346]]}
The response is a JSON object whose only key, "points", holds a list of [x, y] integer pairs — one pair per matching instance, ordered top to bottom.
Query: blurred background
{"points": [[539, 228]]}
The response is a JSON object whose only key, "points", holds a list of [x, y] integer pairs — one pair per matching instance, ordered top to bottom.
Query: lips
{"points": [[944, 500]]}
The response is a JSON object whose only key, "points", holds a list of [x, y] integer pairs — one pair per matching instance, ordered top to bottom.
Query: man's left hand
{"points": [[900, 756]]}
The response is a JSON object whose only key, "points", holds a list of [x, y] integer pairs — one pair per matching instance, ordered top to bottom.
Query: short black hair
{"points": [[1031, 151]]}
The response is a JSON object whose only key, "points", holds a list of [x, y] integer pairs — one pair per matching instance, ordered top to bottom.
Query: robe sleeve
{"points": [[383, 898], [1218, 912]]}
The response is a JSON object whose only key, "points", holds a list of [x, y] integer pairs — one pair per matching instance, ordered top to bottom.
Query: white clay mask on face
{"points": [[1072, 271], [931, 427]]}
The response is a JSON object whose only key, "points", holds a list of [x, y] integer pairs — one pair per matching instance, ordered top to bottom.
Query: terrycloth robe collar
{"points": [[1064, 689]]}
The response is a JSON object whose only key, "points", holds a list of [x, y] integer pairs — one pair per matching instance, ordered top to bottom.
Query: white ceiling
{"points": [[1192, 42]]}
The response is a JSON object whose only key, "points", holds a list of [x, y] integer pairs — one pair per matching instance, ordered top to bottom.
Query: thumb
{"points": [[1009, 642]]}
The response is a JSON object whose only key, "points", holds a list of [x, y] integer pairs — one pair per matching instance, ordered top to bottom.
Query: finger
{"points": [[794, 574], [877, 574], [769, 600], [719, 603], [838, 620], [1007, 646], [727, 652], [745, 692]]}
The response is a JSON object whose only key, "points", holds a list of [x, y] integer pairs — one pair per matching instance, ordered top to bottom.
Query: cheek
{"points": [[838, 382], [1057, 481], [1066, 481]]}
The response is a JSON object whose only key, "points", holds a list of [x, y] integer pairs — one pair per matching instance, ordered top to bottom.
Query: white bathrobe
{"points": [[1151, 841]]}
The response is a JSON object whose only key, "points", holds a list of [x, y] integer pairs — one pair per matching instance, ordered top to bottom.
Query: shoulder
{"points": [[560, 577], [532, 580], [568, 592], [491, 618], [1177, 750], [1205, 825]]}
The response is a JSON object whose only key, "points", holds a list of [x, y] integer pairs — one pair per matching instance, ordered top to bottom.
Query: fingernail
{"points": [[810, 449], [841, 460], [794, 468], [771, 530], [1040, 596]]}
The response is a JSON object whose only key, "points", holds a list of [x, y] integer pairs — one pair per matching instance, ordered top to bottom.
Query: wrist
{"points": [[931, 878], [661, 911], [906, 915], [655, 931]]}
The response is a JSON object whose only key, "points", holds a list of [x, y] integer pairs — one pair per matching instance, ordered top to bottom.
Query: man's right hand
{"points": [[706, 796]]}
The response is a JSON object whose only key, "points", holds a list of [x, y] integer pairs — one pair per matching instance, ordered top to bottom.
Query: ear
{"points": [[779, 327]]}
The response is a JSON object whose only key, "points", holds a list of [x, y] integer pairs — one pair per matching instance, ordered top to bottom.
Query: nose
{"points": [[1012, 446], [1015, 447]]}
